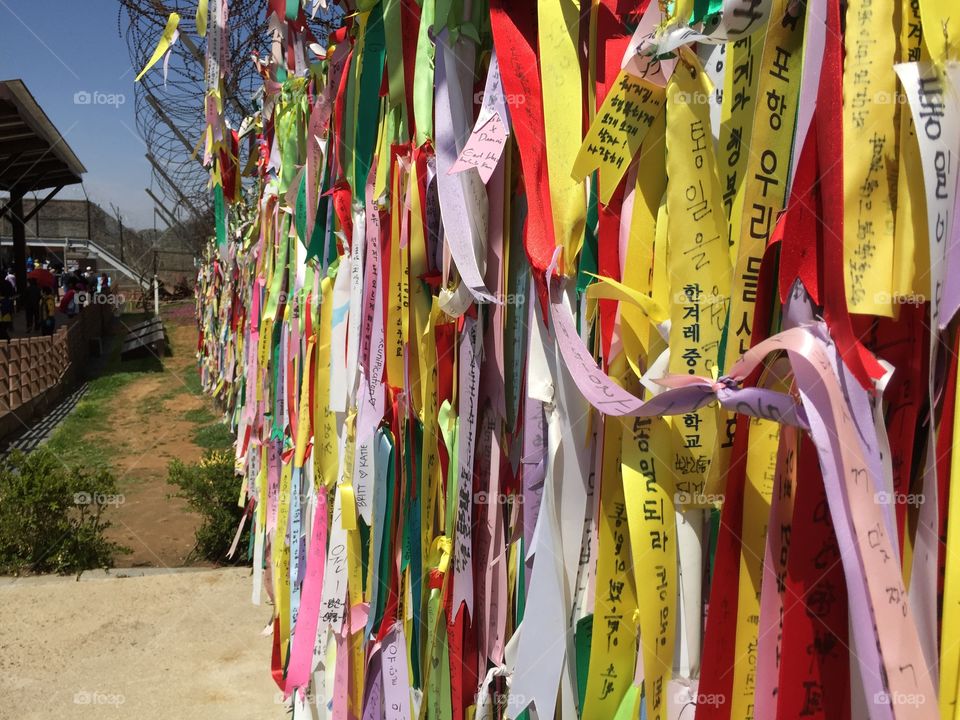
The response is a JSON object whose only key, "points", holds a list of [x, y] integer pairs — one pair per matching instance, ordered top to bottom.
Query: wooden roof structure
{"points": [[33, 154]]}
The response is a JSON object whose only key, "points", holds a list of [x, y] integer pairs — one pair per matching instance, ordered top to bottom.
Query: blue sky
{"points": [[60, 48]]}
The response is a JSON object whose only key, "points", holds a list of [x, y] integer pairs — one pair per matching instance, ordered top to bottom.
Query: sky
{"points": [[72, 59]]}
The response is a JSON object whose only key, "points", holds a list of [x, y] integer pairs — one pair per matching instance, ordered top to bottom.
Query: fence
{"points": [[36, 371]]}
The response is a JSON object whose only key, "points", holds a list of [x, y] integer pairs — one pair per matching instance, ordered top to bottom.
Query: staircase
{"points": [[72, 247]]}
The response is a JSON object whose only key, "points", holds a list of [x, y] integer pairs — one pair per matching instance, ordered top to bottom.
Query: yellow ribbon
{"points": [[202, 18], [558, 33], [166, 40], [869, 168]]}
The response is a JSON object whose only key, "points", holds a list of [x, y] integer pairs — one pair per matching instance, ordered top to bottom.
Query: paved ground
{"points": [[165, 645]]}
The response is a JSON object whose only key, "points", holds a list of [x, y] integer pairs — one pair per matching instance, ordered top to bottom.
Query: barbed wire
{"points": [[169, 104], [169, 112]]}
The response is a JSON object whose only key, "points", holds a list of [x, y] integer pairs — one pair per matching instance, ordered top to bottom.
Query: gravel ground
{"points": [[150, 645]]}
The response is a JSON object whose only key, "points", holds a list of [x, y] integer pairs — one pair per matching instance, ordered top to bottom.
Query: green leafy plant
{"points": [[211, 487], [52, 515]]}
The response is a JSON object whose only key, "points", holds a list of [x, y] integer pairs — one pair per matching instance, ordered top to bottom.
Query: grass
{"points": [[192, 382], [156, 403], [201, 416], [210, 433], [217, 436], [79, 438], [70, 440]]}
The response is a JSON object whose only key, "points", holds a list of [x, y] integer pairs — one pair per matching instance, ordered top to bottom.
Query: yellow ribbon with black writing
{"points": [[869, 163], [911, 246], [697, 262], [325, 441], [648, 490], [758, 490], [612, 649]]}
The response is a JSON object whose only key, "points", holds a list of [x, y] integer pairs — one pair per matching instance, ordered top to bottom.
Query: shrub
{"points": [[211, 488], [51, 515]]}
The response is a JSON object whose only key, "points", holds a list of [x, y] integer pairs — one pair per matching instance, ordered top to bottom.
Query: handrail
{"points": [[98, 250]]}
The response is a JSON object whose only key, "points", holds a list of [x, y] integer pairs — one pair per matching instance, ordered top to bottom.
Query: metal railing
{"points": [[89, 246]]}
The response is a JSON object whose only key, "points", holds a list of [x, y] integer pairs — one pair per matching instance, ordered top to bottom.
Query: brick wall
{"points": [[36, 372]]}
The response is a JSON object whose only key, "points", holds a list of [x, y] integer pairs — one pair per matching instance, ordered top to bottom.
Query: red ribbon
{"points": [[515, 38], [828, 127], [904, 343], [719, 646], [814, 660]]}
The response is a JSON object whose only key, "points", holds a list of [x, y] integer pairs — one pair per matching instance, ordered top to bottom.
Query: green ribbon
{"points": [[423, 75], [395, 76], [371, 77], [290, 128], [300, 211], [220, 217], [315, 246], [587, 268], [279, 270], [515, 325], [411, 544], [384, 558], [583, 642]]}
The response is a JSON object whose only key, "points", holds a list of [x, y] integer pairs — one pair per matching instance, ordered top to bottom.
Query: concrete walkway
{"points": [[144, 645]]}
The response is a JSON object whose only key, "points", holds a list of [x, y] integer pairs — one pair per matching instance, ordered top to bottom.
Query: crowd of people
{"points": [[50, 289]]}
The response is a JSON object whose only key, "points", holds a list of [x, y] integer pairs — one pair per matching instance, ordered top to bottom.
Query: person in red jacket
{"points": [[68, 303]]}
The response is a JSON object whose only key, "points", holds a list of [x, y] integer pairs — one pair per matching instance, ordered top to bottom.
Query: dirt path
{"points": [[149, 426], [181, 645]]}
